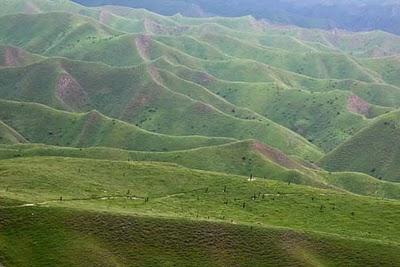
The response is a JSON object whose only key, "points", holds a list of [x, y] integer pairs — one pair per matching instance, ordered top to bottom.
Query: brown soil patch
{"points": [[31, 8], [104, 16], [258, 25], [153, 27], [143, 43], [12, 56], [155, 75], [203, 78], [70, 92], [139, 102], [135, 104], [357, 105], [201, 107], [92, 119], [275, 155]]}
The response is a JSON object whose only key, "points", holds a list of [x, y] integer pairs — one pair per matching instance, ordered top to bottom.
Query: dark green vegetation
{"points": [[131, 138]]}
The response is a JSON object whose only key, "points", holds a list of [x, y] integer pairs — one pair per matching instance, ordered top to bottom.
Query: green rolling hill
{"points": [[132, 95], [40, 124], [128, 138], [373, 150], [247, 158], [189, 199]]}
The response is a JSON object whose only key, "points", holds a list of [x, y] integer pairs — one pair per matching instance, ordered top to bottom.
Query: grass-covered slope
{"points": [[51, 32], [227, 58], [387, 67], [136, 95], [326, 117], [41, 124], [9, 135], [374, 150], [205, 153], [241, 158], [247, 158], [180, 192], [104, 195], [77, 238]]}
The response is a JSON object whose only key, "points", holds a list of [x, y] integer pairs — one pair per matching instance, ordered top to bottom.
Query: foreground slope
{"points": [[168, 202], [78, 238]]}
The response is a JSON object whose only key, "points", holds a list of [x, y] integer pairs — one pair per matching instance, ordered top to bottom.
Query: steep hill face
{"points": [[374, 150]]}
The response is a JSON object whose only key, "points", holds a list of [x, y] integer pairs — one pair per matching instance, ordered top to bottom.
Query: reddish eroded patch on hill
{"points": [[30, 8], [104, 16], [258, 25], [151, 27], [154, 27], [143, 43], [12, 56], [155, 75], [203, 78], [70, 92], [139, 102], [357, 105], [201, 107], [93, 118], [275, 155]]}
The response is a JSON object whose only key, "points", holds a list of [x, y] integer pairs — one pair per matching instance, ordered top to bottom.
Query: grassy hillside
{"points": [[51, 31], [223, 65], [387, 67], [132, 95], [326, 118], [41, 124], [9, 135], [129, 138], [373, 150], [242, 158], [247, 158], [176, 191], [110, 193], [76, 238]]}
